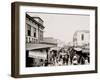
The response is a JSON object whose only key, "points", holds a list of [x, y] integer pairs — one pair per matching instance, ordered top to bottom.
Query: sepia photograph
{"points": [[53, 39], [57, 39]]}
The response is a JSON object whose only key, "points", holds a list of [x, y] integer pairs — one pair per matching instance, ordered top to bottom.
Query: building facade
{"points": [[34, 29], [81, 38], [37, 47]]}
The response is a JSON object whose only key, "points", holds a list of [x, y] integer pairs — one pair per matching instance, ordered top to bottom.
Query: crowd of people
{"points": [[63, 57], [67, 57]]}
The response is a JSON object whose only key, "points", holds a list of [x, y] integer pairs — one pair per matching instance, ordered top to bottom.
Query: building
{"points": [[34, 29], [81, 38], [81, 41], [37, 47]]}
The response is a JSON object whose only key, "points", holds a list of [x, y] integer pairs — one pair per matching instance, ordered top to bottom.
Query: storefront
{"points": [[37, 55]]}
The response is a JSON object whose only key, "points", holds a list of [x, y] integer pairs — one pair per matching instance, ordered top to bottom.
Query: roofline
{"points": [[28, 16], [39, 18], [48, 43]]}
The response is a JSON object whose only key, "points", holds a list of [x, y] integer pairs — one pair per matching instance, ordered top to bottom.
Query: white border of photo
{"points": [[70, 68]]}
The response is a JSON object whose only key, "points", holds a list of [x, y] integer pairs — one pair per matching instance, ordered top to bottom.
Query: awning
{"points": [[37, 46], [39, 55]]}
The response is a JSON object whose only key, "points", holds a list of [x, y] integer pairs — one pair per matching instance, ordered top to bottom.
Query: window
{"points": [[28, 30], [34, 32], [41, 35], [82, 37], [26, 39]]}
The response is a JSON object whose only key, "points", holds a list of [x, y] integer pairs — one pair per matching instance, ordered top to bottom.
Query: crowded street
{"points": [[63, 57]]}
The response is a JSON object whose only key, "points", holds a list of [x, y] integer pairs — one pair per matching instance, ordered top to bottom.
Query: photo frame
{"points": [[53, 39]]}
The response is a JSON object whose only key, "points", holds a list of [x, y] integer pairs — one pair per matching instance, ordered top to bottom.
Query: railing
{"points": [[31, 39]]}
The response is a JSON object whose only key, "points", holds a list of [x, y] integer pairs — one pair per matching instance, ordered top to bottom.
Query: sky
{"points": [[63, 26]]}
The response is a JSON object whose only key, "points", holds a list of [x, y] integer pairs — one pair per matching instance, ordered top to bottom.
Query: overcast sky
{"points": [[61, 26]]}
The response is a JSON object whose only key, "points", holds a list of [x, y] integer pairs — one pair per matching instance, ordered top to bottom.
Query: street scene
{"points": [[52, 50]]}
